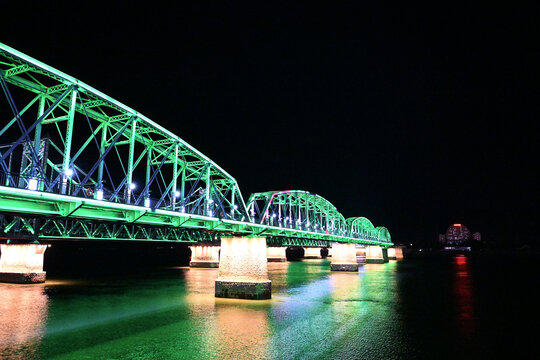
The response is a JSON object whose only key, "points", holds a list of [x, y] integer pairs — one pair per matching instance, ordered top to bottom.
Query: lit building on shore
{"points": [[458, 236]]}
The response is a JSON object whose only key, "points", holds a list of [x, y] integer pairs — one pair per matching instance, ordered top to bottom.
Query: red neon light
{"points": [[456, 225]]}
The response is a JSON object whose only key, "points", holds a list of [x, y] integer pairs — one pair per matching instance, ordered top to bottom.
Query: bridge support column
{"points": [[312, 253], [329, 253], [395, 253], [276, 254], [376, 255], [204, 256], [344, 257], [22, 263], [243, 272]]}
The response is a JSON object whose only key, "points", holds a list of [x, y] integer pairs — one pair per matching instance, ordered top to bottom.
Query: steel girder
{"points": [[99, 148], [28, 204], [16, 228]]}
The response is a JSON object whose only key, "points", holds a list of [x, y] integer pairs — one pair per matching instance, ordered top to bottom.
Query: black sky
{"points": [[415, 116]]}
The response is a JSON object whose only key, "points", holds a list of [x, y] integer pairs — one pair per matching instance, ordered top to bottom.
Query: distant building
{"points": [[458, 235]]}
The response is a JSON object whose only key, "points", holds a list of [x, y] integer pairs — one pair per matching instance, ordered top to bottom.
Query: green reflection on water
{"points": [[173, 314]]}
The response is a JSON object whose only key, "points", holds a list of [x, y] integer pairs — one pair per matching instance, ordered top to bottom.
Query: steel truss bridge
{"points": [[75, 164]]}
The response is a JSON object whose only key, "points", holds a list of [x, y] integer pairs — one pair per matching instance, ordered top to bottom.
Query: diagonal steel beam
{"points": [[39, 120], [102, 157], [156, 172]]}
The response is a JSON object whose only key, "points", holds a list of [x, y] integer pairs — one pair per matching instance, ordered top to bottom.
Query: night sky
{"points": [[414, 116]]}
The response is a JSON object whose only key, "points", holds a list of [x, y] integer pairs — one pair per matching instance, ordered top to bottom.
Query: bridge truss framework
{"points": [[80, 165]]}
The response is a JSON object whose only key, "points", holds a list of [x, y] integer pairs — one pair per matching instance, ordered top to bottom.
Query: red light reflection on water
{"points": [[463, 294]]}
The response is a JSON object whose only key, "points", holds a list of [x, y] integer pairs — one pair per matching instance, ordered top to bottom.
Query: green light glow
{"points": [[217, 207]]}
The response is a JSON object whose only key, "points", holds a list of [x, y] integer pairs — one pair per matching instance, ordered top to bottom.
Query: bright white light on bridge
{"points": [[68, 172], [32, 184], [132, 186], [99, 194], [177, 194], [147, 202], [235, 207]]}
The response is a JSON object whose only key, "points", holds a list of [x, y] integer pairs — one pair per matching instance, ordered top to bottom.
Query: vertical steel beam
{"points": [[37, 134], [68, 139], [102, 145], [130, 162], [148, 173], [175, 177], [183, 189], [207, 195], [232, 201], [307, 212]]}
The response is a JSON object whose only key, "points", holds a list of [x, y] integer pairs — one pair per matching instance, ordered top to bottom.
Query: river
{"points": [[436, 306]]}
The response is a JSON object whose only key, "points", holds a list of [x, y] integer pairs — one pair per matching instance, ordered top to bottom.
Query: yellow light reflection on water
{"points": [[345, 286], [23, 317], [232, 328], [241, 330]]}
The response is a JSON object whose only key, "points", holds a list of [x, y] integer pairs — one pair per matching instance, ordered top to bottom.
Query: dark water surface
{"points": [[432, 307]]}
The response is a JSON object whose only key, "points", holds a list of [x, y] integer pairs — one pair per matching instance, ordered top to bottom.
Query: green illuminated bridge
{"points": [[77, 164]]}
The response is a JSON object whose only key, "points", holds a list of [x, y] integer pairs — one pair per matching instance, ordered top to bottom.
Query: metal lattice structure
{"points": [[98, 148], [78, 164], [297, 209], [361, 227], [383, 234]]}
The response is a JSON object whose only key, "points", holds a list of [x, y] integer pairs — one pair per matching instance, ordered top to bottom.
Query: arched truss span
{"points": [[73, 139], [297, 209], [362, 228], [383, 234]]}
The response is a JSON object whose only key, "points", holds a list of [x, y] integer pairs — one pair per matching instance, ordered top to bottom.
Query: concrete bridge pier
{"points": [[329, 252], [312, 253], [395, 253], [276, 254], [376, 255], [204, 256], [344, 257], [22, 263], [243, 271]]}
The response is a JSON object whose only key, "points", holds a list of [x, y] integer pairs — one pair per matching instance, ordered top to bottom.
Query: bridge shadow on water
{"points": [[93, 258]]}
